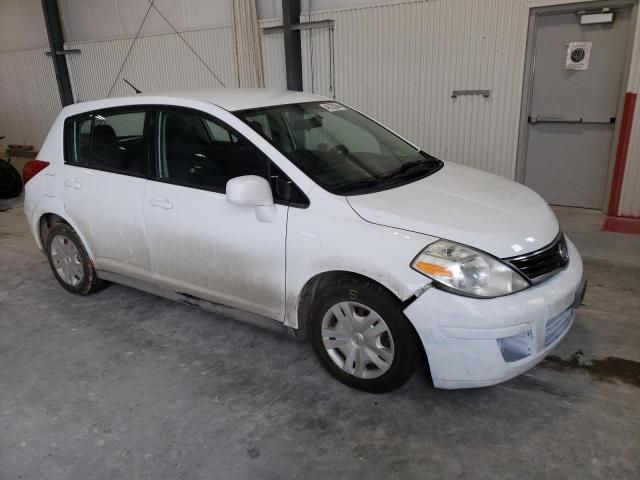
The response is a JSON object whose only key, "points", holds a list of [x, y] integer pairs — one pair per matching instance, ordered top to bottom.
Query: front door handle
{"points": [[75, 184], [161, 203]]}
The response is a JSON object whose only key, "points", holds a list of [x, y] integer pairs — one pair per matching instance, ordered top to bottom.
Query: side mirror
{"points": [[252, 190]]}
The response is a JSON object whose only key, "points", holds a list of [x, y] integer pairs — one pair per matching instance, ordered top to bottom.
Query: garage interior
{"points": [[124, 384]]}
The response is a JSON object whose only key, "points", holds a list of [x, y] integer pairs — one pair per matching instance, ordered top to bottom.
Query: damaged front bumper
{"points": [[474, 342]]}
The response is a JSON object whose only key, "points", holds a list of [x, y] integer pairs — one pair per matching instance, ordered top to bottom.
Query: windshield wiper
{"points": [[417, 165], [423, 167], [357, 185]]}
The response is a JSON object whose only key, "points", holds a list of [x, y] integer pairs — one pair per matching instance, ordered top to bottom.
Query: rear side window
{"points": [[114, 141]]}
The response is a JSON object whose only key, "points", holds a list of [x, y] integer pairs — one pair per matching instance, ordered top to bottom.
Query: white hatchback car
{"points": [[299, 209]]}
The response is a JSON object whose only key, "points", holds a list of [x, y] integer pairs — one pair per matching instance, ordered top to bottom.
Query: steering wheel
{"points": [[339, 148]]}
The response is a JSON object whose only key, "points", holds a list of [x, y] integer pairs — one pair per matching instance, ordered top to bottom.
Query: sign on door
{"points": [[578, 55]]}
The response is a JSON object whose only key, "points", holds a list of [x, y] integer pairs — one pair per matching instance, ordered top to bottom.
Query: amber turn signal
{"points": [[432, 269]]}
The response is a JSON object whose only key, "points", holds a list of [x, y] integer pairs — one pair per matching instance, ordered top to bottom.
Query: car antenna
{"points": [[131, 85]]}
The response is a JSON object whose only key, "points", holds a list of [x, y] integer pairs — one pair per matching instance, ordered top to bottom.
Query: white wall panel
{"points": [[273, 8], [93, 20], [22, 25], [247, 41], [272, 46], [395, 60], [399, 61], [157, 63], [317, 74], [29, 100], [630, 195]]}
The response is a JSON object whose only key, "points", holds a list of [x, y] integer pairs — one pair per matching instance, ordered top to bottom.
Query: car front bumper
{"points": [[474, 342]]}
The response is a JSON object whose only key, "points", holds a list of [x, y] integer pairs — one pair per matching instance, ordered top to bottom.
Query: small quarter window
{"points": [[80, 140], [284, 190]]}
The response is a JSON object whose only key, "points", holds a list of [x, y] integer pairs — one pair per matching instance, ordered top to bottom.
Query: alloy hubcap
{"points": [[66, 260], [358, 340]]}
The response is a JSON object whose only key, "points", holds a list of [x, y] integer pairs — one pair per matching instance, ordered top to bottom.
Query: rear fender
{"points": [[53, 205]]}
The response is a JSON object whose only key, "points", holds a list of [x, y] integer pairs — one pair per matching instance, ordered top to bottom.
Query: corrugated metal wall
{"points": [[99, 20], [272, 45], [248, 53], [397, 61], [400, 61], [157, 63], [29, 100], [630, 197]]}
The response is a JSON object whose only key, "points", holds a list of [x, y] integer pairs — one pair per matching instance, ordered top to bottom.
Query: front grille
{"points": [[541, 264], [557, 326]]}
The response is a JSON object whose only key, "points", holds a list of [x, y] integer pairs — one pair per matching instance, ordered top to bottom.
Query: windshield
{"points": [[340, 149]]}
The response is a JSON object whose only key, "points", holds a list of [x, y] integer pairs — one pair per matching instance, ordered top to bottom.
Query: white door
{"points": [[577, 74], [104, 178], [199, 243]]}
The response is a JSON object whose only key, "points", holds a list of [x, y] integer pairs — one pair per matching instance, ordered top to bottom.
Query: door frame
{"points": [[529, 70]]}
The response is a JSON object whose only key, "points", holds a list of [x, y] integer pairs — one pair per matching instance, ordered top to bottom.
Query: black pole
{"points": [[56, 43], [292, 48]]}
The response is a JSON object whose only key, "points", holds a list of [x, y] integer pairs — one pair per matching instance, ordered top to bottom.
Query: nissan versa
{"points": [[299, 209]]}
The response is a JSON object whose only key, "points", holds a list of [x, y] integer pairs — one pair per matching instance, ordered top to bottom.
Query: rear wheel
{"points": [[69, 261], [361, 336]]}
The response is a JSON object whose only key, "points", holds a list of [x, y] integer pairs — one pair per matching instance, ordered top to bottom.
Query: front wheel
{"points": [[361, 336]]}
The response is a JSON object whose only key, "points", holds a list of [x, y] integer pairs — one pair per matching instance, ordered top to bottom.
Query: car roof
{"points": [[231, 99]]}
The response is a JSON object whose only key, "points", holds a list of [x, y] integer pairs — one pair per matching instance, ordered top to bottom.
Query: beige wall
{"points": [[399, 62], [630, 198]]}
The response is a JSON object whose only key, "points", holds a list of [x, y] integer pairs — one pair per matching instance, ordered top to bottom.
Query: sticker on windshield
{"points": [[332, 107]]}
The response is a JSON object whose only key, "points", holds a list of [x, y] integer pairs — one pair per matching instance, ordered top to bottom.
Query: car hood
{"points": [[468, 206]]}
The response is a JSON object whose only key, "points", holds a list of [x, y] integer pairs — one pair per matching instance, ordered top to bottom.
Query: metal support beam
{"points": [[300, 26], [56, 43], [292, 47]]}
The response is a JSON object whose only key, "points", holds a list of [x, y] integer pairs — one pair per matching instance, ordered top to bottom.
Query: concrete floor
{"points": [[126, 385]]}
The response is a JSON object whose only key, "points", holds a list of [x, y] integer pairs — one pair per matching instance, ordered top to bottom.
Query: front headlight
{"points": [[467, 271]]}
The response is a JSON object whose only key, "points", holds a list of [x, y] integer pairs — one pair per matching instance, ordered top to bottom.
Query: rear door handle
{"points": [[75, 184], [164, 204]]}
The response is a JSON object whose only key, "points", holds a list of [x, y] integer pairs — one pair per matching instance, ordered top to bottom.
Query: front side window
{"points": [[111, 140], [340, 149], [197, 151]]}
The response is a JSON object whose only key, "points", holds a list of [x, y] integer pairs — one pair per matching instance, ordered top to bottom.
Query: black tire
{"points": [[10, 181], [89, 282], [374, 297]]}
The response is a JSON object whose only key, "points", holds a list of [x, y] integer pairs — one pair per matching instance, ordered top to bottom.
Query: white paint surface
{"points": [[198, 243]]}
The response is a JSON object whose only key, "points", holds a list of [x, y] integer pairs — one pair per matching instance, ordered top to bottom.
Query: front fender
{"points": [[328, 236]]}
